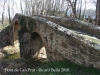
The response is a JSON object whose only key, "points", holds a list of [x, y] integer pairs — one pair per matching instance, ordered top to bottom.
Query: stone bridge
{"points": [[56, 38]]}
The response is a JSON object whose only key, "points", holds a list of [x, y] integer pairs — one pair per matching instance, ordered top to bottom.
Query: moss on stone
{"points": [[23, 22], [27, 24], [31, 24], [23, 28], [86, 35]]}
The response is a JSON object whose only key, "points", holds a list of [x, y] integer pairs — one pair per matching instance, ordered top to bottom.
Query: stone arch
{"points": [[16, 29], [14, 40], [32, 46], [37, 47]]}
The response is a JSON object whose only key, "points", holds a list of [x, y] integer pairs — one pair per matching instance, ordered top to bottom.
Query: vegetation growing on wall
{"points": [[23, 22], [27, 24], [31, 24], [23, 28]]}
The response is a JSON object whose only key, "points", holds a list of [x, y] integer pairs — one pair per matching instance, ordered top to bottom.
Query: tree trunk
{"points": [[73, 6], [21, 7], [74, 9], [80, 10], [84, 10], [3, 12], [98, 13], [9, 14], [2, 18]]}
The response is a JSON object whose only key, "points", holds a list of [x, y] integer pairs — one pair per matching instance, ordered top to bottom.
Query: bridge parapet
{"points": [[75, 24]]}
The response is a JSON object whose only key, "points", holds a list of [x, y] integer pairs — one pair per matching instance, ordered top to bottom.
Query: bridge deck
{"points": [[86, 36]]}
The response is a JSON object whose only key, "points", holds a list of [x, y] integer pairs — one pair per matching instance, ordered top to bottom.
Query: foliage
{"points": [[63, 8], [6, 24], [3, 27]]}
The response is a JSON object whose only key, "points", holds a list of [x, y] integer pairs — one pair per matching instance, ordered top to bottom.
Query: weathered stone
{"points": [[74, 23], [58, 41], [1, 55]]}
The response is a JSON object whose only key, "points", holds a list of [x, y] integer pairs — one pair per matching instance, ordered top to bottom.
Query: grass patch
{"points": [[6, 24], [3, 27], [13, 56], [63, 68]]}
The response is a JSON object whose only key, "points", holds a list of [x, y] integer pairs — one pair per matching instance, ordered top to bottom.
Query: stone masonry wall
{"points": [[59, 40], [61, 43]]}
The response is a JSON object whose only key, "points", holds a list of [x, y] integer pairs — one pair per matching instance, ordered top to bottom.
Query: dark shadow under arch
{"points": [[37, 48]]}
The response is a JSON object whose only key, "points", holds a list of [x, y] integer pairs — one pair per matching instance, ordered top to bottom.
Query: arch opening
{"points": [[15, 34], [14, 38], [37, 47]]}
